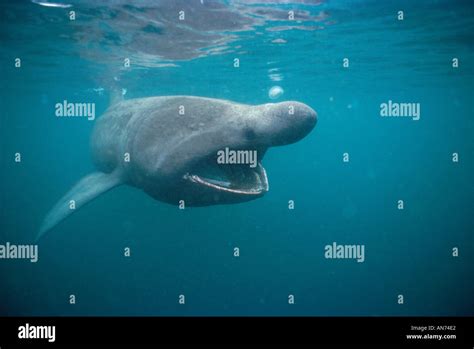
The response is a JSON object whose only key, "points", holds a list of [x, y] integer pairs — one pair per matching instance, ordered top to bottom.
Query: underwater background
{"points": [[190, 252]]}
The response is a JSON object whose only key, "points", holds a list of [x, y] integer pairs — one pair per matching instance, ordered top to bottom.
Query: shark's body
{"points": [[168, 147]]}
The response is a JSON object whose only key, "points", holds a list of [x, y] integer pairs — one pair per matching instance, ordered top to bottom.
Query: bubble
{"points": [[276, 77], [99, 90], [275, 92]]}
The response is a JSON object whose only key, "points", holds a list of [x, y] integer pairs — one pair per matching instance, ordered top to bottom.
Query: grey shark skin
{"points": [[147, 143]]}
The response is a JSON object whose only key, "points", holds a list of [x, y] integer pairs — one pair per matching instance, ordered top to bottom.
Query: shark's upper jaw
{"points": [[232, 179]]}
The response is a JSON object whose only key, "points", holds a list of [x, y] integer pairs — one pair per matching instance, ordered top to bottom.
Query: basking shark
{"points": [[168, 146]]}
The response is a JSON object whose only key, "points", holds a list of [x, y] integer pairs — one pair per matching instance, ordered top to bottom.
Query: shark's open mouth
{"points": [[232, 178]]}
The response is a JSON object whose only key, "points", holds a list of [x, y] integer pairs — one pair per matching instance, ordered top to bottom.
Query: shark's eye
{"points": [[250, 134]]}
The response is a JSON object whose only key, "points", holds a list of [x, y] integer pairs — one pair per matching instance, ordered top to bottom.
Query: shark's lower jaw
{"points": [[235, 179]]}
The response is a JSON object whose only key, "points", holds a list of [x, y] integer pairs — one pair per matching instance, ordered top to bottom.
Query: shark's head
{"points": [[218, 159]]}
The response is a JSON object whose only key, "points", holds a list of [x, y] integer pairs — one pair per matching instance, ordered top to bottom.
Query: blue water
{"points": [[190, 252]]}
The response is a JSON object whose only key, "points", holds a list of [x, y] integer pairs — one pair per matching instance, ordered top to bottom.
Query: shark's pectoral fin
{"points": [[87, 189]]}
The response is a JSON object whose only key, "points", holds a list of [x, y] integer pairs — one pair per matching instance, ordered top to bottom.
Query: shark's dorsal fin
{"points": [[87, 189]]}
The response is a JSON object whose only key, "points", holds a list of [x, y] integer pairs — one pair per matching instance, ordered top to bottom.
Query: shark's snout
{"points": [[286, 122]]}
